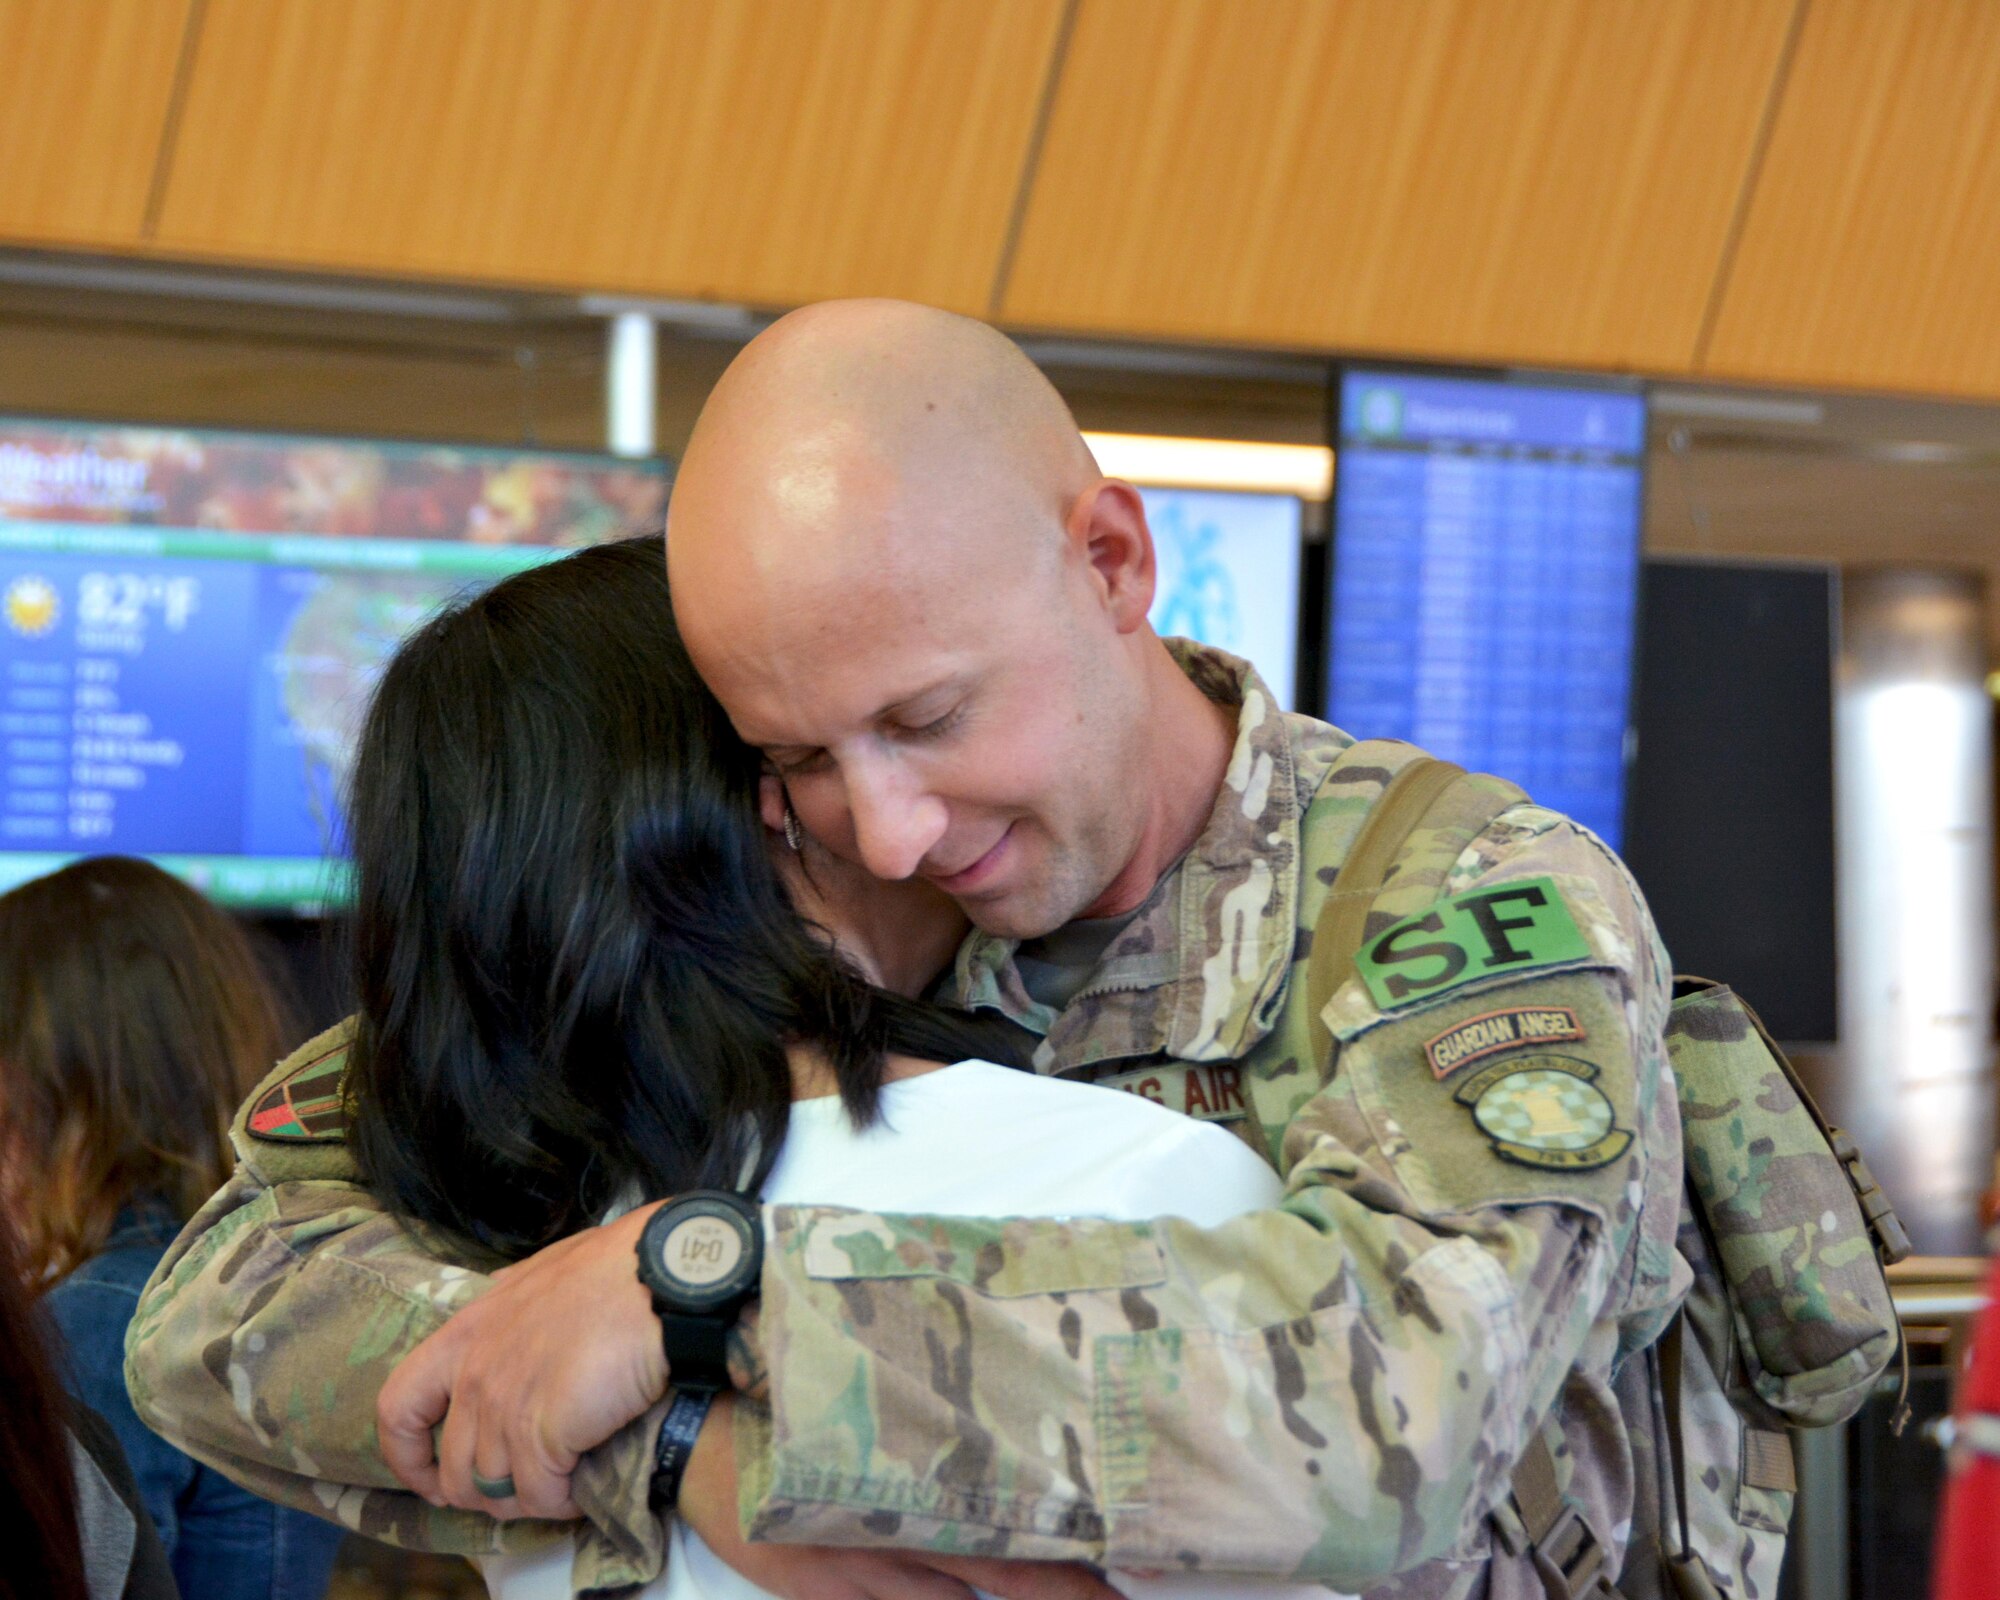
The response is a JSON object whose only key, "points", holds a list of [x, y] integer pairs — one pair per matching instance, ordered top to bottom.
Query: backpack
{"points": [[1787, 1321]]}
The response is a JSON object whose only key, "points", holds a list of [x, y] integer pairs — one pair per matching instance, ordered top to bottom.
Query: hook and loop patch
{"points": [[1545, 1111]]}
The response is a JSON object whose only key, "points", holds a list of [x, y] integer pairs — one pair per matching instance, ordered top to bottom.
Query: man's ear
{"points": [[1107, 524], [771, 801]]}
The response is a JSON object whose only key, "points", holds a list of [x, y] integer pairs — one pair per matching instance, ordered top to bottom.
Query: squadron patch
{"points": [[1484, 933], [1495, 1031], [1206, 1093], [306, 1106], [1545, 1111]]}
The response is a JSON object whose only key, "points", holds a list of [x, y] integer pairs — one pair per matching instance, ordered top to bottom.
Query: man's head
{"points": [[898, 567]]}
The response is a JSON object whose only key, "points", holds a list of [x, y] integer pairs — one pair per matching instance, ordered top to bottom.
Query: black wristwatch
{"points": [[700, 1257]]}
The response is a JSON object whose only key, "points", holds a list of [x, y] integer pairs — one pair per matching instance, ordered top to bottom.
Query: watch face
{"points": [[703, 1250]]}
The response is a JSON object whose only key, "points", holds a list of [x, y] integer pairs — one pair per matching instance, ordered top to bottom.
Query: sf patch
{"points": [[1484, 933], [1494, 1031], [305, 1106], [1545, 1111]]}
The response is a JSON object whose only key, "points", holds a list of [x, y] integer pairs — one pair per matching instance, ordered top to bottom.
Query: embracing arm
{"points": [[271, 1326], [275, 1333], [1338, 1389]]}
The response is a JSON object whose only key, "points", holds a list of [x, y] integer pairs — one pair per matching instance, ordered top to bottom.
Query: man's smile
{"points": [[980, 874]]}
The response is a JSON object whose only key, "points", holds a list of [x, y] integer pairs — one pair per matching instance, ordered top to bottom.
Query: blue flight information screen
{"points": [[1485, 578]]}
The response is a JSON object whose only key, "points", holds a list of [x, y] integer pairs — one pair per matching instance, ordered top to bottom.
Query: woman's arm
{"points": [[269, 1328]]}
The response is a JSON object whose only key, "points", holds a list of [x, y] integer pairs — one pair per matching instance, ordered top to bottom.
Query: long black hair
{"points": [[577, 968], [39, 1525]]}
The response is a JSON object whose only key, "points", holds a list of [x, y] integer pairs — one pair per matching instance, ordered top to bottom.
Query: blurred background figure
{"points": [[133, 1019], [71, 1522]]}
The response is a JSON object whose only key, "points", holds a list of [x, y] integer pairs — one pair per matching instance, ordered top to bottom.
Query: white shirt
{"points": [[979, 1140]]}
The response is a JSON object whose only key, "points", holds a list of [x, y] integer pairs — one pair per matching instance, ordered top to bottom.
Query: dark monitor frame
{"points": [[1780, 1011]]}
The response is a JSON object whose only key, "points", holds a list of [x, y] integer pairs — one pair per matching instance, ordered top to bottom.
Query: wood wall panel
{"points": [[84, 92], [769, 153], [1541, 180], [1870, 254]]}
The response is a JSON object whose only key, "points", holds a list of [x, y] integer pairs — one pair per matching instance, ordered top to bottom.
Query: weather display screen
{"points": [[1485, 578], [191, 624]]}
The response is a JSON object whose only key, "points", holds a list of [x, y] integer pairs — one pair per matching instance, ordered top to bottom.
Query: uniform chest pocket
{"points": [[1002, 1258]]}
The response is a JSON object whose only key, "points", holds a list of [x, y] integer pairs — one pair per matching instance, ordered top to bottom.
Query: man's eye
{"points": [[937, 729]]}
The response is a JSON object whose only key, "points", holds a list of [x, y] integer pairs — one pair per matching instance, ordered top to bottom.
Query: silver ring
{"points": [[494, 1488]]}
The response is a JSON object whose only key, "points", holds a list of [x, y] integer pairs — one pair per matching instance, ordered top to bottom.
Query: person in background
{"points": [[133, 1018], [78, 1534], [1967, 1565]]}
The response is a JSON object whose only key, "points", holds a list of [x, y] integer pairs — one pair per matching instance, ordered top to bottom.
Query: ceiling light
{"points": [[1305, 470]]}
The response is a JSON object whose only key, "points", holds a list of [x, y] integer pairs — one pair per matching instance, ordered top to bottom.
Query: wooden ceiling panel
{"points": [[84, 91], [708, 148], [1546, 180], [1870, 254]]}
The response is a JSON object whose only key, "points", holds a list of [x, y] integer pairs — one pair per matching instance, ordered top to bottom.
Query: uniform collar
{"points": [[1199, 973]]}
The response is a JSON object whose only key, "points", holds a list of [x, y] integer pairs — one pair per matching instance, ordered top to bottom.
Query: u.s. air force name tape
{"points": [[1209, 1093]]}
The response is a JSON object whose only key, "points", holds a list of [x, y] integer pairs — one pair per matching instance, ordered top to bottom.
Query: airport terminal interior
{"points": [[1604, 397]]}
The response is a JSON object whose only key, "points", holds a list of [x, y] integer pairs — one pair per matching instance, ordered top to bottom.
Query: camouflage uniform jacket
{"points": [[1336, 1389]]}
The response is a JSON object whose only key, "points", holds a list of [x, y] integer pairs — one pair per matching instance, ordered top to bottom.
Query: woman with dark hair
{"points": [[577, 965], [590, 975], [133, 1018]]}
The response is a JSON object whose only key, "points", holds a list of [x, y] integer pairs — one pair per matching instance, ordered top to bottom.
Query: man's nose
{"points": [[896, 823]]}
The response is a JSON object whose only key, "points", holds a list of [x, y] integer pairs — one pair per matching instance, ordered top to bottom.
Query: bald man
{"points": [[904, 577]]}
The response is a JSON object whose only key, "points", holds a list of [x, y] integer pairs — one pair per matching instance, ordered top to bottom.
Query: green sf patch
{"points": [[1484, 933]]}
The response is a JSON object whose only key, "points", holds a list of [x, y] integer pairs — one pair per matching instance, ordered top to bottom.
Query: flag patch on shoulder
{"points": [[305, 1106]]}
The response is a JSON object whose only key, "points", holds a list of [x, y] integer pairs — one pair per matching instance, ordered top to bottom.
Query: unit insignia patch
{"points": [[1495, 1031], [306, 1106], [1545, 1111]]}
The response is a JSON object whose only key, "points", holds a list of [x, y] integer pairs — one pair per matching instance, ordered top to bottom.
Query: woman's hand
{"points": [[822, 1572]]}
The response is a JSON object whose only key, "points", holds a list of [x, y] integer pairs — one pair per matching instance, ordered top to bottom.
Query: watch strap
{"points": [[697, 1350], [678, 1431]]}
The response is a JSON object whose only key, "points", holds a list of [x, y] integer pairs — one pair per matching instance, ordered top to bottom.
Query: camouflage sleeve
{"points": [[1480, 1204], [267, 1331]]}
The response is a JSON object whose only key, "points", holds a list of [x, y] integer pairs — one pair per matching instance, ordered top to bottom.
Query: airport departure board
{"points": [[1485, 578], [191, 624]]}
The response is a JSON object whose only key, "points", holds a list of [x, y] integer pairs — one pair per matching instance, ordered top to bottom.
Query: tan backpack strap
{"points": [[1343, 919], [1567, 1555], [1685, 1570]]}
